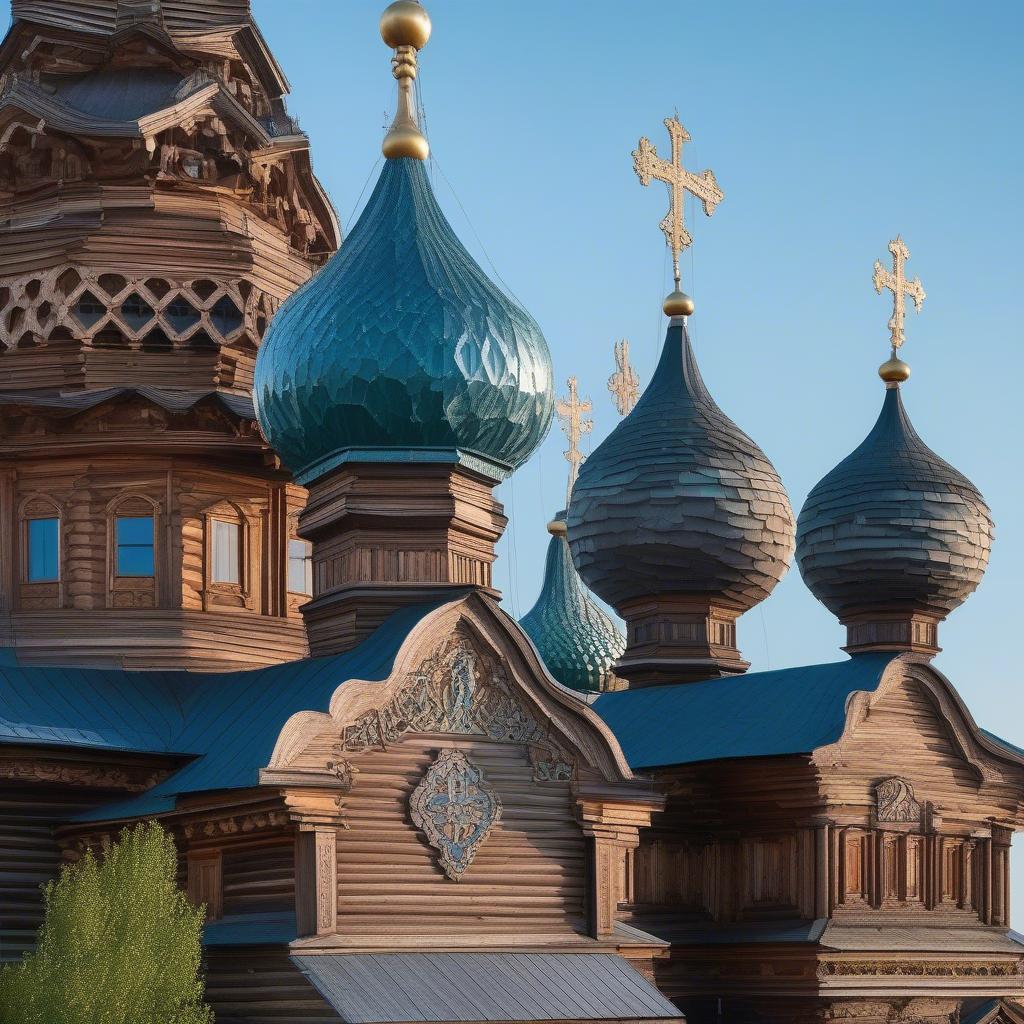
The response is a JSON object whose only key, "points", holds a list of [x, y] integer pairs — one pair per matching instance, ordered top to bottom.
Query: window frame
{"points": [[239, 526], [118, 545], [307, 560], [26, 574]]}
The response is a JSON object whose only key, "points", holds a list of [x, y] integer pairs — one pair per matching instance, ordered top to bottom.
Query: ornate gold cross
{"points": [[648, 165], [896, 281], [624, 384], [571, 418]]}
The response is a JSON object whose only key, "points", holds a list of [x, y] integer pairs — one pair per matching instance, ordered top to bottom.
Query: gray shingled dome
{"points": [[678, 500], [893, 526]]}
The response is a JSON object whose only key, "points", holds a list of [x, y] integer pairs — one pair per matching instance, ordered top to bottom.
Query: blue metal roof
{"points": [[762, 714], [231, 721]]}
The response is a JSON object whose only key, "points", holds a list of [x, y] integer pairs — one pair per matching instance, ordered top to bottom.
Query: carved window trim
{"points": [[130, 504], [34, 507], [229, 512]]}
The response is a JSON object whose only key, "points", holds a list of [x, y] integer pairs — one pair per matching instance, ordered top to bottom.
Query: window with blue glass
{"points": [[135, 548], [43, 550]]}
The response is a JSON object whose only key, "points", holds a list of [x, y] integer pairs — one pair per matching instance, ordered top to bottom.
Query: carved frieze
{"points": [[450, 693], [134, 780], [895, 802], [456, 808], [239, 823], [921, 968]]}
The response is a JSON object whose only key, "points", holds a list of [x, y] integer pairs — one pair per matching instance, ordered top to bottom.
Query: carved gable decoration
{"points": [[459, 692], [894, 798], [456, 809]]}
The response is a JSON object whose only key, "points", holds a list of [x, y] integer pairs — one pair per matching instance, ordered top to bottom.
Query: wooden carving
{"points": [[450, 694], [895, 801], [456, 808]]}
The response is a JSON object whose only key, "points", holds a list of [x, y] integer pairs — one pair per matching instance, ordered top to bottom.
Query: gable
{"points": [[912, 742]]}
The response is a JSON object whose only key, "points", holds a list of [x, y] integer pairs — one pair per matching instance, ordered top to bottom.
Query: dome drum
{"points": [[677, 638]]}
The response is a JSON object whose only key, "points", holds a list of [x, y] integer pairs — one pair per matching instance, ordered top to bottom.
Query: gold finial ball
{"points": [[405, 23], [405, 140], [678, 304], [894, 370], [557, 528]]}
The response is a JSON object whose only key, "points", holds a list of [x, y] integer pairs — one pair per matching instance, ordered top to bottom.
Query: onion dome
{"points": [[401, 347], [677, 502], [894, 538], [577, 641]]}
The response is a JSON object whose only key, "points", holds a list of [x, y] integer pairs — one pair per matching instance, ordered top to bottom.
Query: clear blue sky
{"points": [[830, 128]]}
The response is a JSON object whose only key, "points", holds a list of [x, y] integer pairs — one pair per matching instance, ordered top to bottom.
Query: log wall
{"points": [[528, 876]]}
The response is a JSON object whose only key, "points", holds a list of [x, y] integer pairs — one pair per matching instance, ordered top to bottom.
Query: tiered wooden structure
{"points": [[158, 204]]}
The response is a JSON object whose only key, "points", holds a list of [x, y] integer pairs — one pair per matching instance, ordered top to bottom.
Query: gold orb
{"points": [[405, 23], [403, 141], [678, 304], [894, 370], [557, 528]]}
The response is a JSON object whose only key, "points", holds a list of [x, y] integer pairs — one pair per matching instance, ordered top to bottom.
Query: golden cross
{"points": [[648, 165], [896, 281], [624, 384], [570, 412]]}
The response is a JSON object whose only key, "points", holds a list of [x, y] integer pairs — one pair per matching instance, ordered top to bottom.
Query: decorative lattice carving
{"points": [[75, 304], [895, 801], [456, 808]]}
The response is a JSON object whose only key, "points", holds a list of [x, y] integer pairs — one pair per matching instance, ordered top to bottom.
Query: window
{"points": [[134, 539], [43, 550], [226, 552], [300, 567]]}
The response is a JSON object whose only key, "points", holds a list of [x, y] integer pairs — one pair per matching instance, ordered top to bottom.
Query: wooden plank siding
{"points": [[529, 874]]}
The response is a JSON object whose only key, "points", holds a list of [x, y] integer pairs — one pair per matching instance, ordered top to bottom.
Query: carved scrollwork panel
{"points": [[895, 801]]}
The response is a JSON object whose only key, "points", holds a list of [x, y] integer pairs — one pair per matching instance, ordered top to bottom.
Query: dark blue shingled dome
{"points": [[401, 347], [678, 500], [893, 525], [577, 641]]}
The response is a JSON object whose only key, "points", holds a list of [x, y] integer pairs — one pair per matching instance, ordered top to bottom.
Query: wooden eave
{"points": [[253, 50]]}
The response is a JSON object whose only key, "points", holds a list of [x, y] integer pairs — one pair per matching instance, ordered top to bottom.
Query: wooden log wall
{"points": [[30, 856], [528, 876], [243, 985]]}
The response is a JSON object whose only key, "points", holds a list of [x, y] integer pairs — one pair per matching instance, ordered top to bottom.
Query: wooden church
{"points": [[247, 529]]}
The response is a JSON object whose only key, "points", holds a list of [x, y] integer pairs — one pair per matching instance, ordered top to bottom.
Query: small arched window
{"points": [[41, 541], [133, 546]]}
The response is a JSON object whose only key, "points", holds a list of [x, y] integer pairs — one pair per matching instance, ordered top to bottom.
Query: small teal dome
{"points": [[402, 348], [577, 641]]}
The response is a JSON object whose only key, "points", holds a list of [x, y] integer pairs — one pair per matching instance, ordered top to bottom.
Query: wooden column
{"points": [[9, 539], [612, 828], [316, 880], [822, 882], [999, 893]]}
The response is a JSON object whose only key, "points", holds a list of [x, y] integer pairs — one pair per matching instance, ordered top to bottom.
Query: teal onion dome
{"points": [[402, 348], [678, 500], [893, 527], [578, 642]]}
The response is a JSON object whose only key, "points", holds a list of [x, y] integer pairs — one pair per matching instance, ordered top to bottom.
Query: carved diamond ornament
{"points": [[456, 809]]}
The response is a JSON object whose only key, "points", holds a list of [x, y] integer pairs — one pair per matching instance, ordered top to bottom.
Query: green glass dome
{"points": [[402, 348], [577, 641]]}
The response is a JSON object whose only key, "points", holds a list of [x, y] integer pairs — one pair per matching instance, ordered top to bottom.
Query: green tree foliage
{"points": [[120, 943]]}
